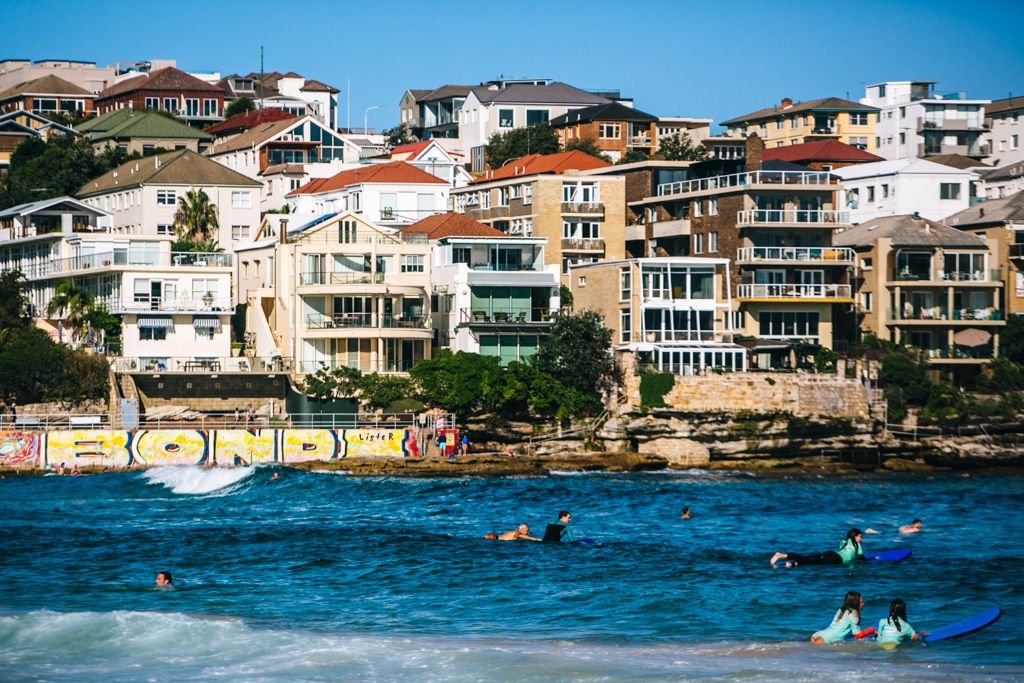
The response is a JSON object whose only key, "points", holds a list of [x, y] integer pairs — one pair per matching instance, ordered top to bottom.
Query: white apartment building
{"points": [[1005, 120], [915, 121], [697, 129], [904, 187], [392, 194], [142, 195], [175, 307]]}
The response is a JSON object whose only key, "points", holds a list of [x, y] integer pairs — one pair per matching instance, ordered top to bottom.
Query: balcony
{"points": [[951, 124], [639, 141], [791, 180], [583, 209], [476, 213], [792, 217], [582, 244], [836, 256], [132, 257], [201, 259], [980, 277], [314, 278], [795, 292], [146, 304], [940, 315], [491, 317], [319, 321], [655, 336], [204, 365]]}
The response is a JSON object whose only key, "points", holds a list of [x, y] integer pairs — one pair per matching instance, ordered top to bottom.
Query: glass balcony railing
{"points": [[786, 178], [809, 216], [836, 255], [323, 278], [794, 291]]}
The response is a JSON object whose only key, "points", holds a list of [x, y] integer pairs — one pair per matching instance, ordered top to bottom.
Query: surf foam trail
{"points": [[198, 480]]}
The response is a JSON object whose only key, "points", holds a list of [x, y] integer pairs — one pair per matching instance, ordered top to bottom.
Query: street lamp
{"points": [[366, 112]]}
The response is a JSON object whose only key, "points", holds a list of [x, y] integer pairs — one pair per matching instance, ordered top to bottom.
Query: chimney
{"points": [[786, 103], [754, 150], [981, 212], [916, 215], [283, 230]]}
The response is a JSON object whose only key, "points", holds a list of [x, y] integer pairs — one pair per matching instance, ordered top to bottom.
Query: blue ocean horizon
{"points": [[318, 576]]}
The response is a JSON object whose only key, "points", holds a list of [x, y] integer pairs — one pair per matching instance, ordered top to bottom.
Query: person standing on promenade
{"points": [[559, 531]]}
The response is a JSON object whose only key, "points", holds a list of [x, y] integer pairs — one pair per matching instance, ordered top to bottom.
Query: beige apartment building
{"points": [[792, 123], [582, 217], [928, 286], [337, 291]]}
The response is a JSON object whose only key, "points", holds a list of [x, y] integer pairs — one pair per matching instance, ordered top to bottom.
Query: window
{"points": [[152, 103], [171, 104], [191, 106], [209, 107], [903, 112], [534, 116], [506, 118], [859, 118], [793, 122], [779, 124], [609, 131], [903, 138], [1014, 141], [861, 142], [147, 150], [949, 190], [516, 191], [885, 191], [583, 193], [527, 194], [871, 194], [502, 196], [166, 197], [485, 199], [241, 200], [388, 203], [713, 207], [696, 208], [527, 227], [164, 229], [586, 230], [346, 232], [239, 233], [712, 241], [698, 243], [460, 254], [574, 259], [412, 264], [581, 281], [625, 284], [865, 300], [788, 325], [625, 326], [152, 333], [204, 333]]}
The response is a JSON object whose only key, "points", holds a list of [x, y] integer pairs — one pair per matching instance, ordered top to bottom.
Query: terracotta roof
{"points": [[167, 78], [46, 85], [318, 86], [823, 104], [1008, 104], [613, 111], [249, 120], [255, 136], [410, 150], [819, 150], [955, 160], [535, 164], [184, 167], [299, 169], [391, 172], [312, 187], [1006, 210], [450, 224], [906, 231]]}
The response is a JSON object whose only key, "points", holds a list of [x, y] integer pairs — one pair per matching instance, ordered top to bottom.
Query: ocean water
{"points": [[329, 577]]}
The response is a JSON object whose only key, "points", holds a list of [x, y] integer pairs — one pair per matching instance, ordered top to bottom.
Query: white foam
{"points": [[197, 480]]}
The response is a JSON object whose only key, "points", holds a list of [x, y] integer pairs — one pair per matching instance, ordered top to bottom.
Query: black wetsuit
{"points": [[553, 533], [827, 557]]}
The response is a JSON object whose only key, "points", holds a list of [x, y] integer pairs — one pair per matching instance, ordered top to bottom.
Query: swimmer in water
{"points": [[686, 513], [911, 528], [520, 533], [164, 580]]}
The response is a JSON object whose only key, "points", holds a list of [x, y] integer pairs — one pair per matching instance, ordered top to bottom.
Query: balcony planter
{"points": [[208, 299]]}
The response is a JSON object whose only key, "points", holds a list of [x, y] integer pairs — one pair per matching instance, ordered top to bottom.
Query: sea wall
{"points": [[153, 447]]}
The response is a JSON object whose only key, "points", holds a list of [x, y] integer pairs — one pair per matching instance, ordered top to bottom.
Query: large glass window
{"points": [[536, 116], [505, 118], [949, 190], [625, 284], [787, 324]]}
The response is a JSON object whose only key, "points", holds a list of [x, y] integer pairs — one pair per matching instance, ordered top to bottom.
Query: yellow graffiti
{"points": [[375, 443], [303, 445], [87, 447], [169, 447], [252, 448]]}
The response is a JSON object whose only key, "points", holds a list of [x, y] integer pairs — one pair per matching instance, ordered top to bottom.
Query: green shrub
{"points": [[653, 388]]}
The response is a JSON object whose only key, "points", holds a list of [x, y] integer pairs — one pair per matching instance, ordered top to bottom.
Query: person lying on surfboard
{"points": [[559, 531], [520, 533], [849, 550], [845, 623], [894, 630]]}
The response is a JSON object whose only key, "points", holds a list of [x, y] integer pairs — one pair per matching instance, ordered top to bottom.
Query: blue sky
{"points": [[679, 58]]}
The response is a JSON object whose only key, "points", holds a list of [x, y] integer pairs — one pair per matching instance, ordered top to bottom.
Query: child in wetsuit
{"points": [[849, 550], [845, 623], [893, 630]]}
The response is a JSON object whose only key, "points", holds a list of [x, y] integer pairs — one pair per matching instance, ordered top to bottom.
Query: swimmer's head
{"points": [[164, 579]]}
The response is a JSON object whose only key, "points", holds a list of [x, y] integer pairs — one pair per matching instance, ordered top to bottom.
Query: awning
{"points": [[155, 322], [207, 324], [972, 336]]}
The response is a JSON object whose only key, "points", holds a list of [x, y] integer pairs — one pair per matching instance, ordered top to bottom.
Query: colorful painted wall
{"points": [[223, 447]]}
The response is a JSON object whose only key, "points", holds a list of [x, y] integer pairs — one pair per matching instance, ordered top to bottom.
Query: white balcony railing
{"points": [[788, 178], [808, 216], [837, 255], [787, 291]]}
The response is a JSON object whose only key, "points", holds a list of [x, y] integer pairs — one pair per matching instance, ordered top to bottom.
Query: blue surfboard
{"points": [[585, 541], [888, 555], [965, 627]]}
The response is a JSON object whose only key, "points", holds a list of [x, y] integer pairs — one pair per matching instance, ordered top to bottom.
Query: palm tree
{"points": [[196, 217], [72, 304]]}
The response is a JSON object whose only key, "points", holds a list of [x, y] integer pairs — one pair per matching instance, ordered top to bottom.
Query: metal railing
{"points": [[750, 178], [582, 207], [809, 216], [584, 243], [837, 255], [129, 257], [201, 259], [992, 275], [325, 278], [793, 291], [142, 304], [941, 313], [518, 316], [319, 321], [680, 335], [201, 364], [381, 367], [230, 420]]}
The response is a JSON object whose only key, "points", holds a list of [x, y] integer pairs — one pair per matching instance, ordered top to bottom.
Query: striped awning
{"points": [[155, 322], [206, 324]]}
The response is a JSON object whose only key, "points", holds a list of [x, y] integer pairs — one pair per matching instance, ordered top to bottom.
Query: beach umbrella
{"points": [[972, 337]]}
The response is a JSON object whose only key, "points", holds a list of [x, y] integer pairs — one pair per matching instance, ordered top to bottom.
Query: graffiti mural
{"points": [[377, 443], [303, 445], [243, 446], [89, 447], [169, 447], [20, 449]]}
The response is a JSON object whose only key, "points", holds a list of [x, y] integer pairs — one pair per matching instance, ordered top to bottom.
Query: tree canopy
{"points": [[239, 106], [399, 135], [540, 138], [680, 147], [195, 219]]}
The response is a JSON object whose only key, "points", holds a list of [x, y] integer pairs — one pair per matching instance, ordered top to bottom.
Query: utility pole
{"points": [[261, 78], [348, 105]]}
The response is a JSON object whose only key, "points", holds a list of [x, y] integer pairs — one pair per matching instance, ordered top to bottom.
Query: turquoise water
{"points": [[326, 577]]}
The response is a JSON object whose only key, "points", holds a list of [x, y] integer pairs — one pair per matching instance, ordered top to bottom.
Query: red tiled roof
{"points": [[167, 78], [318, 86], [250, 119], [411, 149], [819, 150], [534, 164], [391, 172], [311, 187], [451, 224]]}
